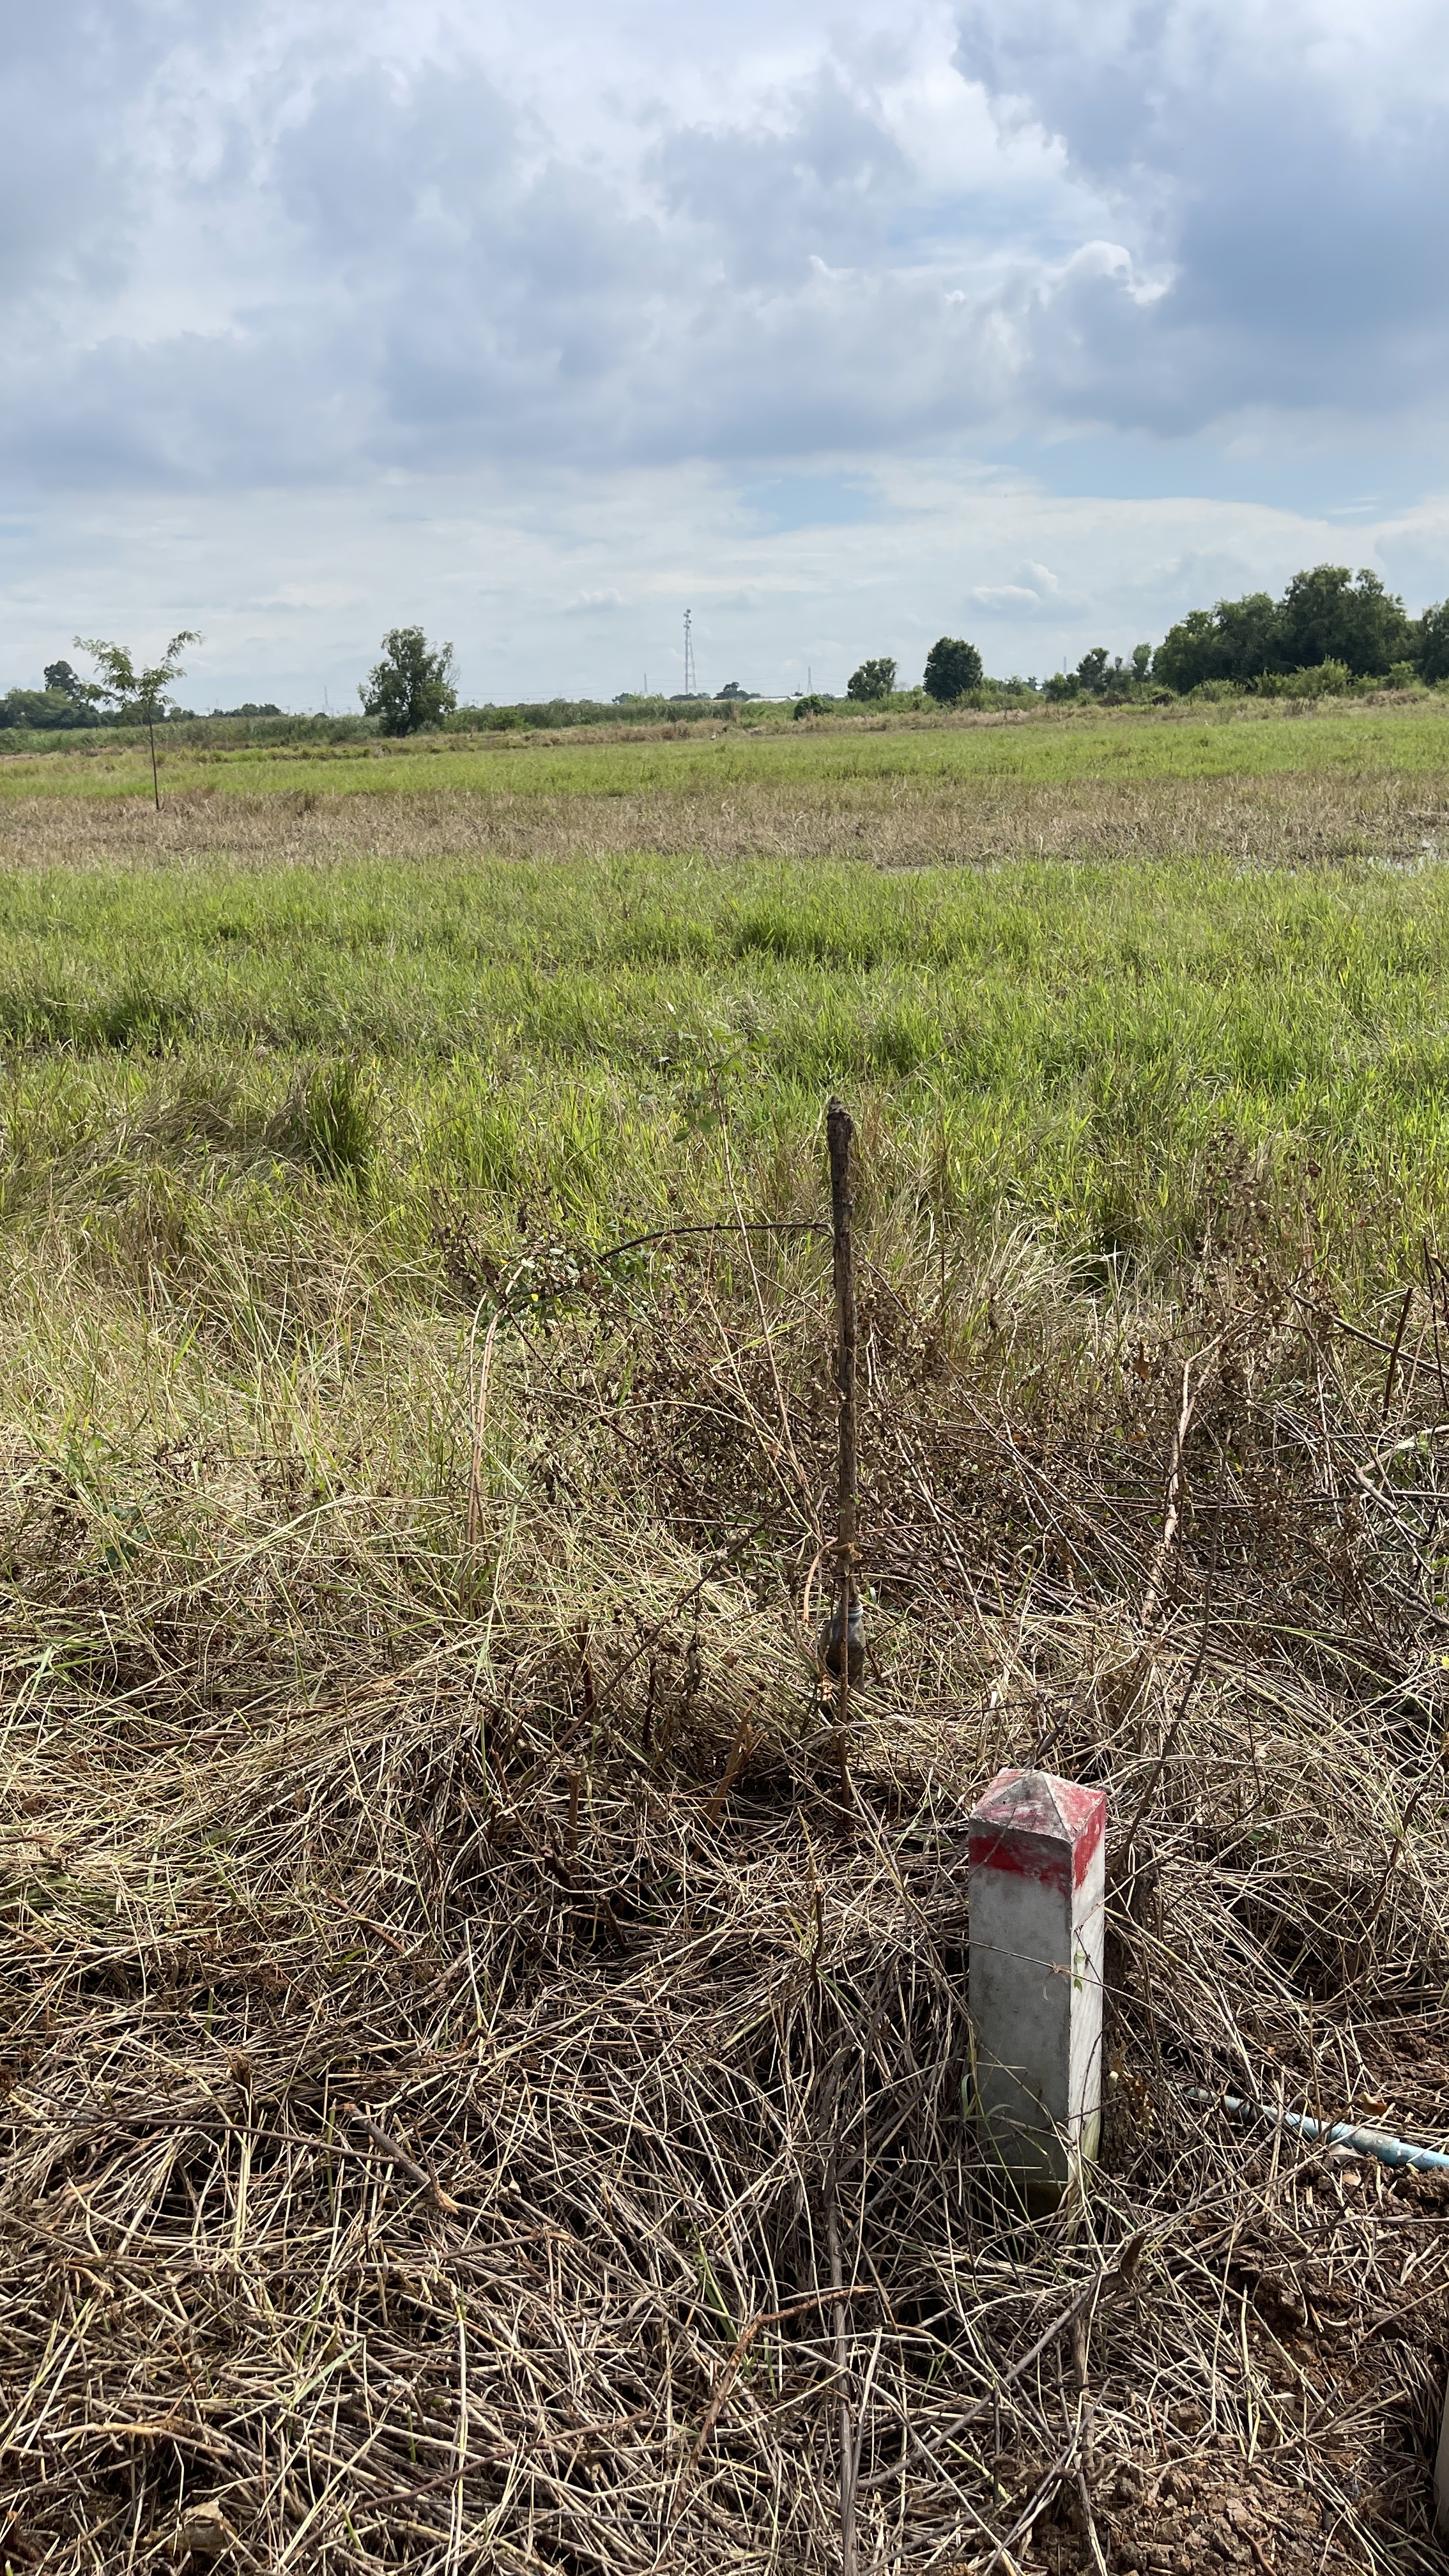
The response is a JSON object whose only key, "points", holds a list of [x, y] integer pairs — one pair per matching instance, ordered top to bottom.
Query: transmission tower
{"points": [[689, 683]]}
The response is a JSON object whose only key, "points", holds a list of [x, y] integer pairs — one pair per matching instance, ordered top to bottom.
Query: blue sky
{"points": [[841, 325]]}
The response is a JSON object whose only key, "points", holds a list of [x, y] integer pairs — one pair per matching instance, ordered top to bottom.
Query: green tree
{"points": [[1326, 615], [1250, 638], [1237, 640], [1189, 651], [1433, 654], [952, 667], [873, 680], [65, 682], [411, 689], [137, 696], [65, 701]]}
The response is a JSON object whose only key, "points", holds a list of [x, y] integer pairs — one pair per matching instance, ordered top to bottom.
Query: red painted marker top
{"points": [[1032, 1825]]}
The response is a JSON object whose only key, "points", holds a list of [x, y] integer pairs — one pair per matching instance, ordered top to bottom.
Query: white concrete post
{"points": [[1038, 1861]]}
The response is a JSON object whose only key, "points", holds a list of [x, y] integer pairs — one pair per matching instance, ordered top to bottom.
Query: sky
{"points": [[842, 324]]}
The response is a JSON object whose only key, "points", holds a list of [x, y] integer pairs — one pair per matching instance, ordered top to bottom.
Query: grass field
{"points": [[1253, 739], [1083, 1021], [483, 2058]]}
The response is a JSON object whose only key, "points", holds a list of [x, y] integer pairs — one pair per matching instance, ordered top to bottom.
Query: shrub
{"points": [[1327, 679], [1319, 680], [812, 705]]}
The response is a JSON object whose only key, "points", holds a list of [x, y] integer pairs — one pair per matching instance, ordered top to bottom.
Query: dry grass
{"points": [[1294, 819], [432, 2095]]}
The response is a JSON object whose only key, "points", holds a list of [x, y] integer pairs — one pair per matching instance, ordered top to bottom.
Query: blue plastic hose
{"points": [[1335, 2133]]}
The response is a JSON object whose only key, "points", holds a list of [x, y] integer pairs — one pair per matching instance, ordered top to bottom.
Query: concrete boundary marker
{"points": [[1037, 1861]]}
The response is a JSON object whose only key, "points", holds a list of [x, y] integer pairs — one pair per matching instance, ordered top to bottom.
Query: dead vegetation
{"points": [[1300, 818], [483, 2087]]}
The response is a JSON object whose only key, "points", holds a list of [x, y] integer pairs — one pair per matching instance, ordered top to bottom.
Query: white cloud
{"points": [[403, 266], [498, 560]]}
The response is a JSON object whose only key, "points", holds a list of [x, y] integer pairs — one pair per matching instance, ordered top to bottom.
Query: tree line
{"points": [[1326, 617], [1330, 629]]}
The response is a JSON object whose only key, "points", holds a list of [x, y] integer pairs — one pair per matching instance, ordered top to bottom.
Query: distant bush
{"points": [[1320, 680], [1114, 682], [65, 702], [811, 705], [43, 711], [561, 715]]}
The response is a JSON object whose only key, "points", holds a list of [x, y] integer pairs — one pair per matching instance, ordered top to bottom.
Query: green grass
{"points": [[1252, 740], [259, 1018], [1099, 1052]]}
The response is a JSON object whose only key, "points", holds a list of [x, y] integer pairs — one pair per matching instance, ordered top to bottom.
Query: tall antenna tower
{"points": [[689, 681]]}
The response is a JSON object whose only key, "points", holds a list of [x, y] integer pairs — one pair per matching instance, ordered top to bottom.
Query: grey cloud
{"points": [[386, 173], [832, 185], [69, 191], [1299, 210], [410, 271], [444, 291]]}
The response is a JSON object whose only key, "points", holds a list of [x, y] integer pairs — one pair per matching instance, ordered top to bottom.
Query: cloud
{"points": [[1280, 182], [255, 264], [824, 269], [286, 270], [294, 590], [1032, 591]]}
